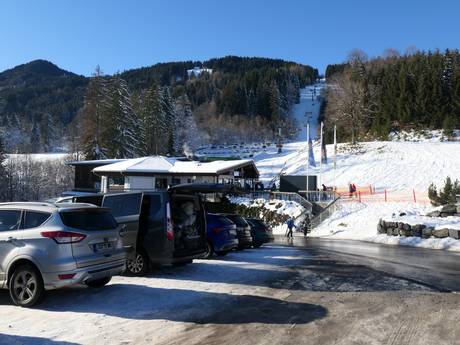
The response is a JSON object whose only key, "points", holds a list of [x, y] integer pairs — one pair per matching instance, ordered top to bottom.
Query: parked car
{"points": [[161, 227], [243, 230], [261, 233], [221, 235], [45, 246]]}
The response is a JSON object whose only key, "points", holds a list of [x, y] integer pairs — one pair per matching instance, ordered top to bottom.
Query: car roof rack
{"points": [[28, 203]]}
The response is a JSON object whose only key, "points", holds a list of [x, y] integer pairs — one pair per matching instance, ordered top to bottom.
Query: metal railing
{"points": [[319, 196], [325, 213]]}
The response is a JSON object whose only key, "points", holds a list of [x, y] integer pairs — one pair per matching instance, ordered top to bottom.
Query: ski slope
{"points": [[309, 105], [390, 165]]}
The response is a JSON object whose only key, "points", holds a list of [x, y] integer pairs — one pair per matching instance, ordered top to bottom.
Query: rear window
{"points": [[123, 205], [35, 219], [89, 219], [225, 221]]}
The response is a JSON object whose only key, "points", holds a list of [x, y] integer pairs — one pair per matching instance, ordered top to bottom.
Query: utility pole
{"points": [[308, 114], [279, 145], [308, 154], [335, 156], [321, 158]]}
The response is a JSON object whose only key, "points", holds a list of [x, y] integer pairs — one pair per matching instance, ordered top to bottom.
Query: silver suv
{"points": [[46, 246]]}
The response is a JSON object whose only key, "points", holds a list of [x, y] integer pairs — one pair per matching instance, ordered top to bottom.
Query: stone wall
{"points": [[446, 211], [391, 228]]}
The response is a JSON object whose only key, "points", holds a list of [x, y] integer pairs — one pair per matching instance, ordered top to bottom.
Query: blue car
{"points": [[221, 235]]}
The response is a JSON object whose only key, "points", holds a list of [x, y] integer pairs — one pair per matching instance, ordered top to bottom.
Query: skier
{"points": [[291, 225], [306, 225]]}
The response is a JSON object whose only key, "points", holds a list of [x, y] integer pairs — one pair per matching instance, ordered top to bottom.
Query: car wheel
{"points": [[257, 245], [209, 251], [222, 253], [139, 265], [98, 283], [26, 286]]}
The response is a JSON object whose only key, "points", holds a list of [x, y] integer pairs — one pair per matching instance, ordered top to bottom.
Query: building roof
{"points": [[95, 162], [166, 165]]}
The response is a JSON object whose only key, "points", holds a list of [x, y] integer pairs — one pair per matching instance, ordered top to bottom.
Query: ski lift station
{"points": [[159, 172]]}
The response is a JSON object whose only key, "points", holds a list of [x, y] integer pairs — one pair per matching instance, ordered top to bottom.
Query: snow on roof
{"points": [[98, 162], [160, 164]]}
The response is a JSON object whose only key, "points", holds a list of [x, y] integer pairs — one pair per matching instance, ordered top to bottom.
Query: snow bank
{"points": [[282, 207], [358, 221]]}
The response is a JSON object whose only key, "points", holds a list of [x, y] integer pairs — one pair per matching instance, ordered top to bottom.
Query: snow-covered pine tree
{"points": [[154, 121], [120, 125], [47, 132], [188, 135], [35, 138], [3, 173]]}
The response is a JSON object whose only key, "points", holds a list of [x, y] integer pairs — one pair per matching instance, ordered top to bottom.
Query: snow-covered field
{"points": [[395, 166], [153, 309]]}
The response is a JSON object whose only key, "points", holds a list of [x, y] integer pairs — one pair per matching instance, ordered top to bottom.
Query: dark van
{"points": [[159, 227]]}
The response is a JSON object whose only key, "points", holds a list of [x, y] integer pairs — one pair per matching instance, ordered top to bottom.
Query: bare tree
{"points": [[390, 53], [350, 102]]}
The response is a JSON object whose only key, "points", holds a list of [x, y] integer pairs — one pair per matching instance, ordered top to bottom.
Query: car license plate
{"points": [[103, 246]]}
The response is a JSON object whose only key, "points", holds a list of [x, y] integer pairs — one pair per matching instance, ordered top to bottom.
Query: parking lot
{"points": [[271, 295]]}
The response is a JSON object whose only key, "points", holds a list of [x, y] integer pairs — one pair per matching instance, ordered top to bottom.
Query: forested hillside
{"points": [[371, 97], [38, 100], [43, 108]]}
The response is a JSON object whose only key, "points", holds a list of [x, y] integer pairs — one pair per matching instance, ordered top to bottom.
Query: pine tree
{"points": [[96, 105], [275, 107], [170, 120], [154, 121], [120, 125], [188, 136], [35, 138], [3, 173]]}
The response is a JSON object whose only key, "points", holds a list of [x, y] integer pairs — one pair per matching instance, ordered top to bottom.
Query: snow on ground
{"points": [[423, 135], [395, 166], [289, 208], [358, 221], [150, 309]]}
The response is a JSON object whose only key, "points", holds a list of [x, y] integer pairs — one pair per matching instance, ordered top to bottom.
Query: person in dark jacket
{"points": [[306, 225], [291, 226]]}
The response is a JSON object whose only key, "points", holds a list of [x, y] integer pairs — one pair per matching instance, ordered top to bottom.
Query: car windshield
{"points": [[89, 219]]}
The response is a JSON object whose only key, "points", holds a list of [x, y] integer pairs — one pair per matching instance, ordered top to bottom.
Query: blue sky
{"points": [[119, 35]]}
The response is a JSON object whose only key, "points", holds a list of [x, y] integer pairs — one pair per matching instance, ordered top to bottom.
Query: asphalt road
{"points": [[439, 269], [300, 292]]}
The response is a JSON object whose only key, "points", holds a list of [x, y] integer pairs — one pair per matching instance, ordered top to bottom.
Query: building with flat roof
{"points": [[159, 172]]}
